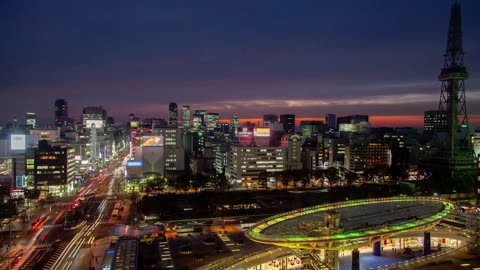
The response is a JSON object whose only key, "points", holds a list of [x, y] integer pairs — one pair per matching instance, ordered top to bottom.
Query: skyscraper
{"points": [[61, 111], [172, 114], [94, 115], [186, 115], [31, 120], [211, 121], [288, 121], [331, 121], [197, 122], [234, 125], [451, 157]]}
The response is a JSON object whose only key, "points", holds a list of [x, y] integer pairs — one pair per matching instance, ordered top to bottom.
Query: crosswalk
{"points": [[228, 242], [22, 248], [55, 256], [166, 256]]}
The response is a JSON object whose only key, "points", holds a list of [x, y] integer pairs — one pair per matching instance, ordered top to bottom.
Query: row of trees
{"points": [[334, 176], [187, 181]]}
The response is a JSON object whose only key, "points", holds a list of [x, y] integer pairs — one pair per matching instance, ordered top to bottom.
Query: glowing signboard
{"points": [[97, 123], [261, 132], [152, 141], [17, 142], [134, 163]]}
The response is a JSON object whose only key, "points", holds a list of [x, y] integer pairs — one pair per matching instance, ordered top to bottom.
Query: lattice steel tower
{"points": [[453, 149]]}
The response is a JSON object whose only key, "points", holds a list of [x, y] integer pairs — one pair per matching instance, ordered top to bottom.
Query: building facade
{"points": [[172, 114], [186, 116], [288, 121], [245, 163], [54, 170]]}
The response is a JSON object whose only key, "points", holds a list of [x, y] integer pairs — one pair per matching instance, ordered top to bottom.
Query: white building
{"points": [[245, 163]]}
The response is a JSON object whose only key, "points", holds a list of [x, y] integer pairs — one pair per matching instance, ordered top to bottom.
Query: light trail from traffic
{"points": [[67, 257]]}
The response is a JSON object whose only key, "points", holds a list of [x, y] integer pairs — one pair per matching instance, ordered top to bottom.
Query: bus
{"points": [[188, 228]]}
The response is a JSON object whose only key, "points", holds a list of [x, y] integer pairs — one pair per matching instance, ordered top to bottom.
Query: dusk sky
{"points": [[244, 58]]}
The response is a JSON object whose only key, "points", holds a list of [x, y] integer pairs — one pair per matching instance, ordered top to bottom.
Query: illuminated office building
{"points": [[186, 115], [211, 121], [197, 122], [354, 123], [234, 125], [309, 127], [293, 143], [174, 153], [365, 155], [245, 163], [54, 169]]}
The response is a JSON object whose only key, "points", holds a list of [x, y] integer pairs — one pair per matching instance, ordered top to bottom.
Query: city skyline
{"points": [[307, 59]]}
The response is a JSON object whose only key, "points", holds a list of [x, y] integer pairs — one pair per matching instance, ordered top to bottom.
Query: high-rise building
{"points": [[61, 111], [201, 112], [172, 114], [93, 115], [186, 115], [269, 118], [31, 120], [434, 120], [211, 121], [288, 121], [331, 121], [197, 122], [353, 123], [234, 125], [309, 127], [293, 143], [173, 148], [360, 156], [451, 157], [245, 163], [54, 169]]}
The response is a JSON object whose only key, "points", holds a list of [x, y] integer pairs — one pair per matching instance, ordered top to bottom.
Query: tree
{"points": [[398, 172], [332, 174], [318, 175], [285, 177], [304, 177], [351, 177], [263, 179], [199, 180], [220, 181], [183, 182]]}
